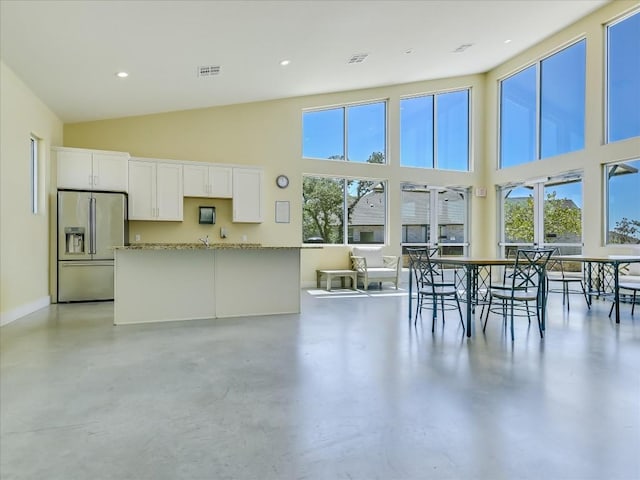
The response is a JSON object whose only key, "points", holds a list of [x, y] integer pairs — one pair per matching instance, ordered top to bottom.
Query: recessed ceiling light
{"points": [[507, 41], [408, 51], [284, 63], [122, 74]]}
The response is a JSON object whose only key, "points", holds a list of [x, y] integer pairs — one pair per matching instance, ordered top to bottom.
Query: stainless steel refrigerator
{"points": [[90, 224]]}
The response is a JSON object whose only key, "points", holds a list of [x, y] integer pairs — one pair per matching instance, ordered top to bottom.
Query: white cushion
{"points": [[373, 255], [373, 273]]}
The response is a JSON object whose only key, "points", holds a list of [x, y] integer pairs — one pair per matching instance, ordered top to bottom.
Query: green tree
{"points": [[561, 218], [626, 231]]}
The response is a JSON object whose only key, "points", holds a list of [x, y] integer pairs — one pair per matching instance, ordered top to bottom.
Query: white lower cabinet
{"points": [[207, 181], [155, 190], [247, 195]]}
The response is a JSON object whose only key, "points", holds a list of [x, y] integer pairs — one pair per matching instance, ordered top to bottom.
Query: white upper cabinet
{"points": [[81, 169], [207, 181], [155, 190], [247, 195]]}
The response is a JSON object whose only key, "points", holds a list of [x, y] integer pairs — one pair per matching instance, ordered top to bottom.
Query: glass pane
{"points": [[623, 75], [562, 101], [518, 118], [453, 130], [416, 132], [366, 133], [323, 134], [366, 207], [452, 207], [322, 210], [623, 212], [415, 213], [563, 213], [518, 215]]}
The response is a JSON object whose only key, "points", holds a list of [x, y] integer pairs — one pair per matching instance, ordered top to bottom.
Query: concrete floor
{"points": [[346, 390]]}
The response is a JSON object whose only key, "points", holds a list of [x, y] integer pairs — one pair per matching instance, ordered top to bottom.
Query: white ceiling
{"points": [[68, 52]]}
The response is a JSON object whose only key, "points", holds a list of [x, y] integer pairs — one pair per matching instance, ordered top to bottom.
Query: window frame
{"points": [[606, 68], [538, 103], [434, 116], [345, 130], [34, 174], [606, 192], [345, 204], [433, 232]]}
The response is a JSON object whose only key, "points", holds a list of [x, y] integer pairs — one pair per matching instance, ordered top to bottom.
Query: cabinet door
{"points": [[74, 170], [110, 172], [196, 180], [221, 182], [142, 190], [169, 191], [247, 195]]}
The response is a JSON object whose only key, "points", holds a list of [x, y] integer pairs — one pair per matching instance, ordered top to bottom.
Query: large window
{"points": [[623, 78], [542, 108], [434, 131], [357, 133], [623, 207], [343, 211], [545, 212], [433, 216]]}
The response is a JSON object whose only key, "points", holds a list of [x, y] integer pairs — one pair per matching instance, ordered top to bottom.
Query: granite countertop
{"points": [[198, 246]]}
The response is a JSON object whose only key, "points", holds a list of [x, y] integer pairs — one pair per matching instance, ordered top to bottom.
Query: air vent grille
{"points": [[463, 47], [358, 58], [208, 70]]}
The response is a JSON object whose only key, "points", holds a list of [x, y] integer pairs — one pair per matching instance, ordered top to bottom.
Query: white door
{"points": [[74, 170], [110, 172], [196, 180], [221, 182], [142, 190], [169, 191], [247, 195]]}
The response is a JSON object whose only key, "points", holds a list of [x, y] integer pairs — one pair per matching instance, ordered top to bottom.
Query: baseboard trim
{"points": [[23, 310]]}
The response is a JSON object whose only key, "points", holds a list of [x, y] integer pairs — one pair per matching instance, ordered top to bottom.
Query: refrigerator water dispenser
{"points": [[74, 239]]}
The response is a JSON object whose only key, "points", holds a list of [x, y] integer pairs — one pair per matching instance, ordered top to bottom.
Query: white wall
{"points": [[24, 237]]}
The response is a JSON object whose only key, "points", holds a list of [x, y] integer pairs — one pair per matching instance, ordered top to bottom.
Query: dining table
{"points": [[472, 275], [604, 282]]}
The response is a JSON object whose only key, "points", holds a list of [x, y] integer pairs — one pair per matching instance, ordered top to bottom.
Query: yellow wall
{"points": [[269, 134], [24, 237]]}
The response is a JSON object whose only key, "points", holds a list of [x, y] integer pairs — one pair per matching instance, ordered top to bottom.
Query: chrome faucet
{"points": [[205, 241]]}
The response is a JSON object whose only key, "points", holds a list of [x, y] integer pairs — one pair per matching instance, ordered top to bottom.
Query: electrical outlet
{"points": [[223, 232], [137, 237], [244, 238]]}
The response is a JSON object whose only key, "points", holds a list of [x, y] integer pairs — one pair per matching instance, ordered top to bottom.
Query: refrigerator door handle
{"points": [[92, 225]]}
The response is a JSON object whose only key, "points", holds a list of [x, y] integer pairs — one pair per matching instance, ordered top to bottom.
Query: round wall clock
{"points": [[282, 181]]}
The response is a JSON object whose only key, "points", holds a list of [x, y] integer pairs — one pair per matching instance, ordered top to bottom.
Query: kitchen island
{"points": [[187, 281]]}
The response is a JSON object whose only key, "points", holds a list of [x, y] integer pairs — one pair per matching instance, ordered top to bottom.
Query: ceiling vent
{"points": [[463, 47], [358, 58], [209, 70]]}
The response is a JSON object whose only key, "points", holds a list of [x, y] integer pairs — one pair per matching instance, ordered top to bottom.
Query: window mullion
{"points": [[538, 110], [434, 122], [345, 142]]}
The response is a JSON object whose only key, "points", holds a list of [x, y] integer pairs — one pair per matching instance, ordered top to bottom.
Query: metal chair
{"points": [[556, 273], [526, 284], [430, 285], [633, 287]]}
